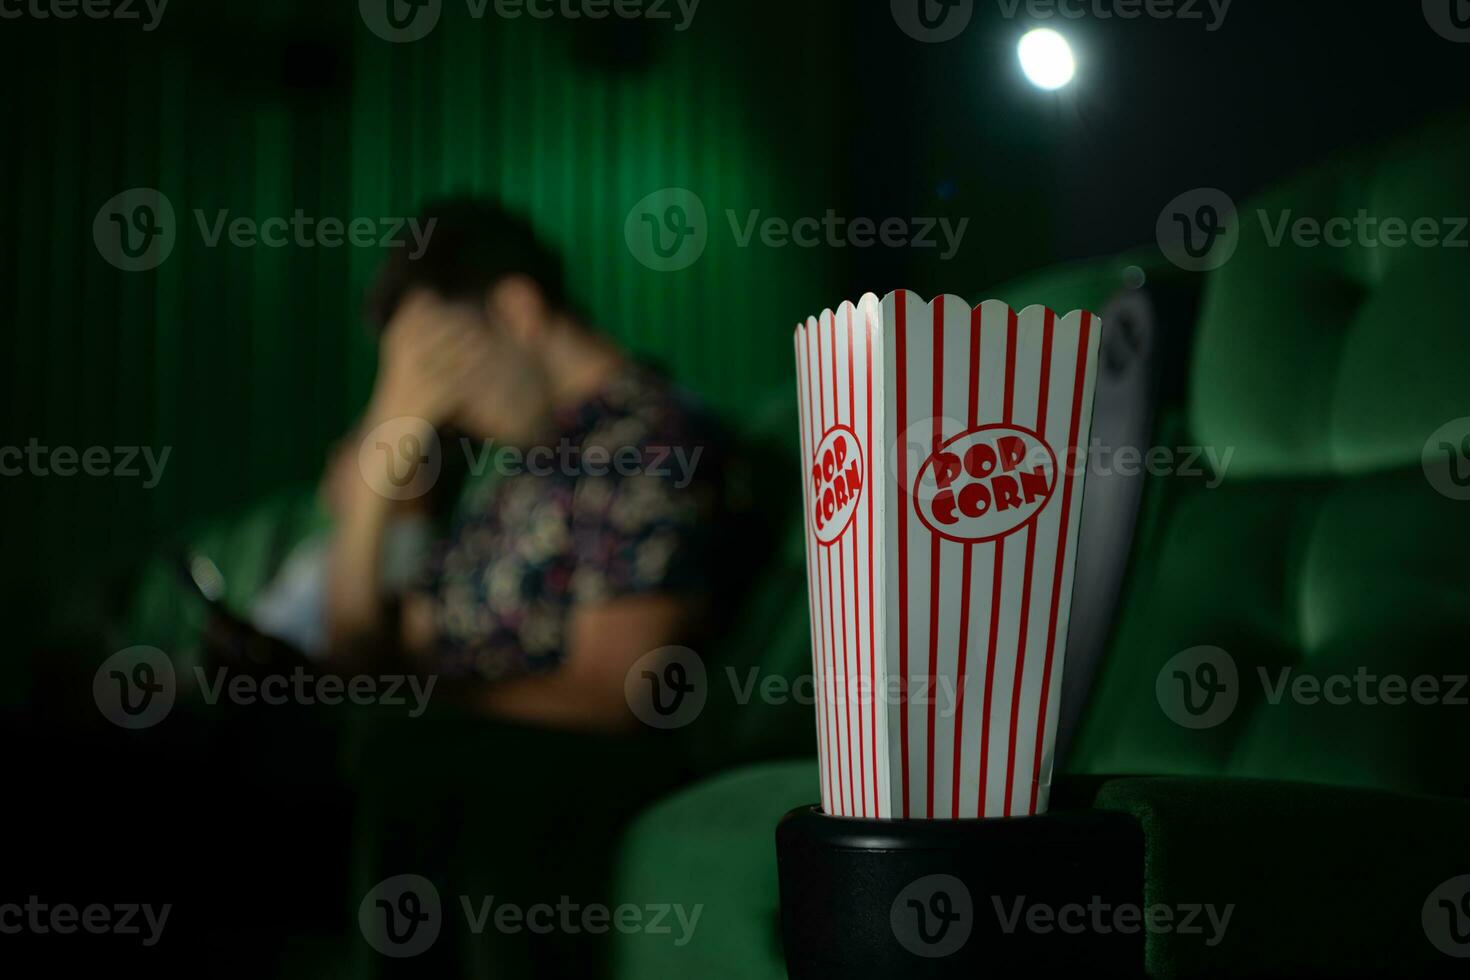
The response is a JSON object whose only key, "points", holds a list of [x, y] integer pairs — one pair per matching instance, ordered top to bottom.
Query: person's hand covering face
{"points": [[444, 363]]}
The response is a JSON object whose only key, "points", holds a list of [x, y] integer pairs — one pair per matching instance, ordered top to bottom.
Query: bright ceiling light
{"points": [[1047, 59]]}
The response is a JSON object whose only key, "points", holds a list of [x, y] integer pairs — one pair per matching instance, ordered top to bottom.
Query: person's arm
{"points": [[425, 365], [356, 607], [586, 691]]}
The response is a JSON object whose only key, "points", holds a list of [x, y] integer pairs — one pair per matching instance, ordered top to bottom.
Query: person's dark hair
{"points": [[472, 245]]}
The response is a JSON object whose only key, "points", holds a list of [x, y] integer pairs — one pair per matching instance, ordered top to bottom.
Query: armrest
{"points": [[1324, 880]]}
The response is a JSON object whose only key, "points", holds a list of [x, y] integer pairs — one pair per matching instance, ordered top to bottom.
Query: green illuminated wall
{"points": [[248, 362]]}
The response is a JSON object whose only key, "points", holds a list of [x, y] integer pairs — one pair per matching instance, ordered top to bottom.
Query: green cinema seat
{"points": [[1321, 549]]}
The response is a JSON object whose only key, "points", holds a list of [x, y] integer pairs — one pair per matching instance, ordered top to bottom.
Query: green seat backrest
{"points": [[1325, 552], [758, 704]]}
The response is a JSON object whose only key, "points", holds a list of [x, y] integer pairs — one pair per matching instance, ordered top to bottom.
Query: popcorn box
{"points": [[945, 450]]}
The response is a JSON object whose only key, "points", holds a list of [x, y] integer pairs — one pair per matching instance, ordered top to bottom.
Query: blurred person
{"points": [[548, 589]]}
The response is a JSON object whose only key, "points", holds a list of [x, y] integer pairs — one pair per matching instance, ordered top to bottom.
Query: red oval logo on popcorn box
{"points": [[837, 477], [985, 483]]}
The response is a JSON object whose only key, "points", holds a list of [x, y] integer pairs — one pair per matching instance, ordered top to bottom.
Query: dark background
{"points": [[249, 363]]}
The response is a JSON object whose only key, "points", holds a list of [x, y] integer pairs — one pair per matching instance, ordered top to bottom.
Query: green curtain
{"points": [[248, 362]]}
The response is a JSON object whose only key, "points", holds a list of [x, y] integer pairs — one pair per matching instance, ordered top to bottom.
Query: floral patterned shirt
{"points": [[619, 502]]}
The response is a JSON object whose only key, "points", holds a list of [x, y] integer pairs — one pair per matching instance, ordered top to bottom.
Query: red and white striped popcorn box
{"points": [[945, 451]]}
